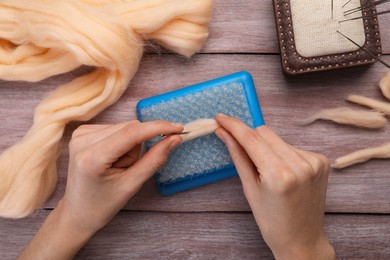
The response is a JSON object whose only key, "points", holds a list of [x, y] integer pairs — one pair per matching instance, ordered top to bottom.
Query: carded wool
{"points": [[43, 38], [384, 85], [371, 103], [348, 116], [199, 128], [381, 152]]}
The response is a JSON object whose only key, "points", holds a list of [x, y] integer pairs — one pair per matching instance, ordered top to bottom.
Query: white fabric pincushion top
{"points": [[315, 30]]}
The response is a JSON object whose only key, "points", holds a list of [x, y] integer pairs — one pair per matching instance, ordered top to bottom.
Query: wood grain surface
{"points": [[284, 101], [213, 222], [143, 235]]}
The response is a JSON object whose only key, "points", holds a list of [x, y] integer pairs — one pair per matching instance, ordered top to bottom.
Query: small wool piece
{"points": [[43, 38], [384, 85], [371, 103], [347, 116], [368, 119], [199, 128], [381, 152]]}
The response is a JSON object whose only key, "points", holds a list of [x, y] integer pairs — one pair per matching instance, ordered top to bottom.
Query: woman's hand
{"points": [[105, 171], [285, 188]]}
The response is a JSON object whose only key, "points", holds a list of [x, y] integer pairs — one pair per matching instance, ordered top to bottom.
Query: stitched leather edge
{"points": [[293, 63]]}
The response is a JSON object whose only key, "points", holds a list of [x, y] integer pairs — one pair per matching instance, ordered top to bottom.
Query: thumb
{"points": [[152, 161]]}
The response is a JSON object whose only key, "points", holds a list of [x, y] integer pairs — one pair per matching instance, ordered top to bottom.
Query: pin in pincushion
{"points": [[205, 159]]}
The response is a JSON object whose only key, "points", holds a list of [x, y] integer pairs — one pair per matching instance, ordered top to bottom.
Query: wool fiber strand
{"points": [[384, 85], [371, 103], [347, 116], [199, 128], [381, 152]]}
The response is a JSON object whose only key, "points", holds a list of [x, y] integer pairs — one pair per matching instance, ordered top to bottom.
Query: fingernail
{"points": [[220, 115], [177, 125], [220, 135], [175, 141]]}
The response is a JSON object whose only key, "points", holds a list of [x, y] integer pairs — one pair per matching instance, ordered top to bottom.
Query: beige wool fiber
{"points": [[43, 38], [348, 116], [199, 128], [381, 152]]}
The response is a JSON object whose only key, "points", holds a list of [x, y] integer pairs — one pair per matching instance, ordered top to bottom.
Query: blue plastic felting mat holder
{"points": [[154, 103]]}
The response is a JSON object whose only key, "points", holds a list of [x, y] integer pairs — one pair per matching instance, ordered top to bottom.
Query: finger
{"points": [[86, 129], [96, 133], [88, 135], [116, 145], [283, 149], [259, 151], [128, 158], [152, 161], [319, 163], [245, 168]]}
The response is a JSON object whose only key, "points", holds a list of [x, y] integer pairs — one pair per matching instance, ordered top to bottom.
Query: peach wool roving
{"points": [[43, 38]]}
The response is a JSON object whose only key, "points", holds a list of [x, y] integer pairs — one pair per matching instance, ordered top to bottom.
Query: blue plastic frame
{"points": [[200, 179]]}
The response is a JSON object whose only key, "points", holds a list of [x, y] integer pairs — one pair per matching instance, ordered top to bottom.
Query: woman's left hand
{"points": [[105, 170]]}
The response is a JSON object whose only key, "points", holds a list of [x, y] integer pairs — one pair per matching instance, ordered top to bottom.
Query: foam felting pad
{"points": [[205, 159]]}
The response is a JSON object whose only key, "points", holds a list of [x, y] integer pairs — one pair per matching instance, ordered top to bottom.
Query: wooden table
{"points": [[214, 221]]}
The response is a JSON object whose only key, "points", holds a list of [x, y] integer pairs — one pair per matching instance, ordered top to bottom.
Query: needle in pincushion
{"points": [[365, 50]]}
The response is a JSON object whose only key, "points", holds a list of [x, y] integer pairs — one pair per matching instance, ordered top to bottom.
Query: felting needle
{"points": [[347, 3], [357, 9], [366, 16], [365, 50], [182, 133]]}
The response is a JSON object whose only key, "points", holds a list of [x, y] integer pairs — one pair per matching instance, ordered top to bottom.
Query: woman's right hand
{"points": [[285, 187]]}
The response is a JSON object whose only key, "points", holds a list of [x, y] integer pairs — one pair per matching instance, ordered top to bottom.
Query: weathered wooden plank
{"points": [[384, 22], [242, 27], [249, 27], [284, 101], [136, 235]]}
